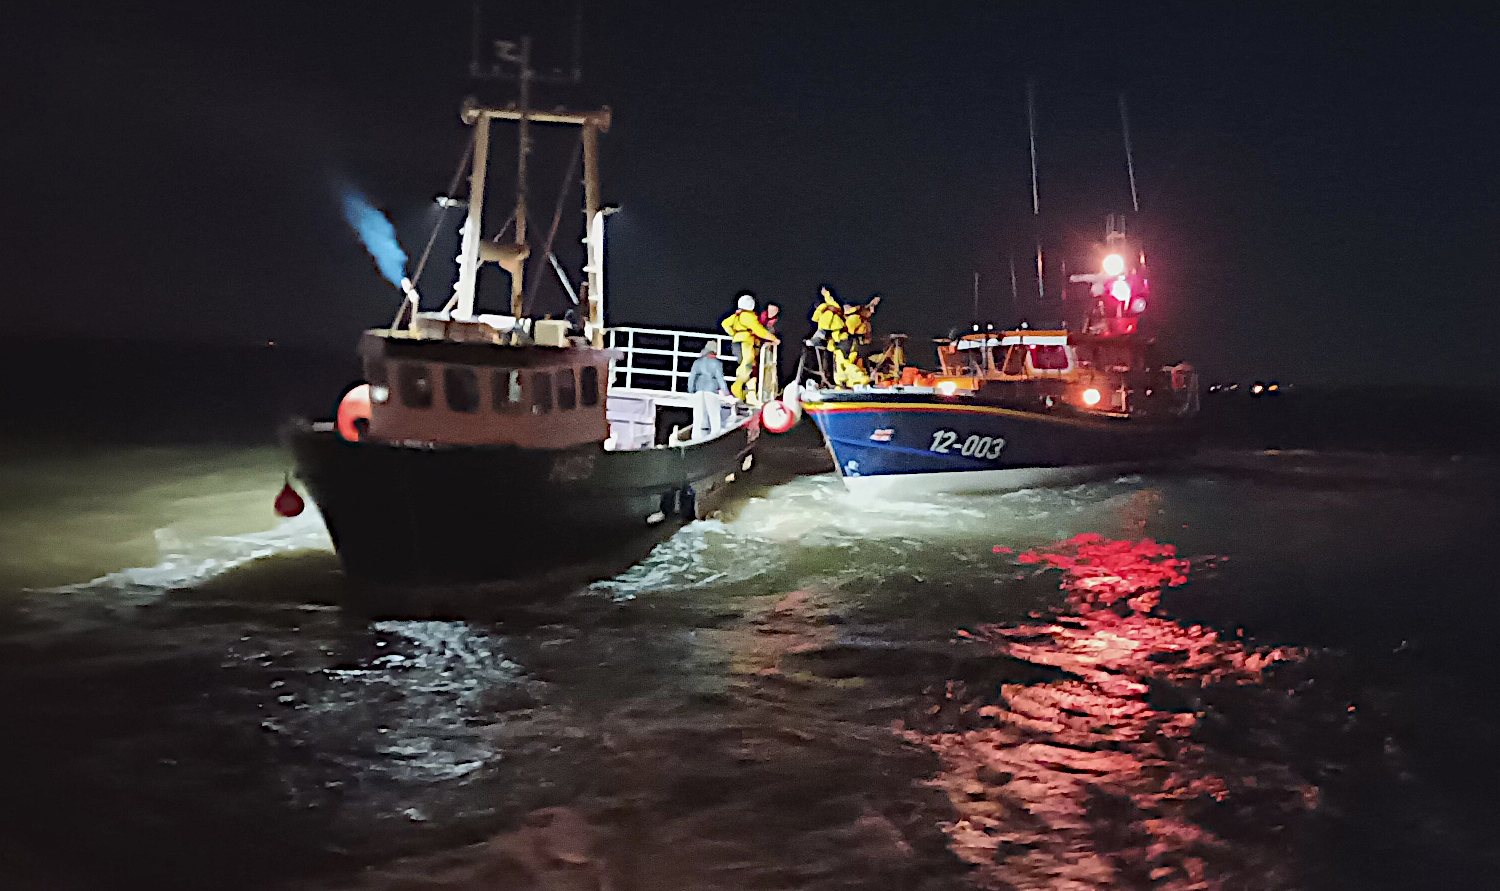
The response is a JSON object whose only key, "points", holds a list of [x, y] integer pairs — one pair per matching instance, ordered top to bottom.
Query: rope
{"points": [[452, 187]]}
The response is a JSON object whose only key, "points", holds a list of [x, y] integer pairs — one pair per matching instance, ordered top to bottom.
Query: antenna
{"points": [[505, 55], [513, 63], [1135, 203], [1036, 205], [976, 296]]}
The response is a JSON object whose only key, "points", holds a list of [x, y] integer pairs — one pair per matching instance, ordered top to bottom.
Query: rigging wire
{"points": [[452, 187], [562, 196]]}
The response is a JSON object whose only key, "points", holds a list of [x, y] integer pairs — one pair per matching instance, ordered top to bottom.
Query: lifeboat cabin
{"points": [[1036, 369]]}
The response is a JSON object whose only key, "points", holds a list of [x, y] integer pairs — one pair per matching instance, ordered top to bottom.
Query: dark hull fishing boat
{"points": [[499, 447], [460, 513]]}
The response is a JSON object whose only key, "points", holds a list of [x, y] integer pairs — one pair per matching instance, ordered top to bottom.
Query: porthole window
{"points": [[414, 382], [588, 385], [461, 387], [505, 389], [567, 390], [541, 392]]}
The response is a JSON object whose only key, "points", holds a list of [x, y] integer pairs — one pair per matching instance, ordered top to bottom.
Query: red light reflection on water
{"points": [[1096, 778]]}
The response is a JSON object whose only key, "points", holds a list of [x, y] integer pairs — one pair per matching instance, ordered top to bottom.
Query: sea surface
{"points": [[1272, 667]]}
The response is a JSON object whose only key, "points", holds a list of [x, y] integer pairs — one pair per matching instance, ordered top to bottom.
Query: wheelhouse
{"points": [[1099, 374], [484, 394]]}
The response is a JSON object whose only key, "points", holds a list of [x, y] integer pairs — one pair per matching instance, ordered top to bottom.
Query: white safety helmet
{"points": [[747, 301]]}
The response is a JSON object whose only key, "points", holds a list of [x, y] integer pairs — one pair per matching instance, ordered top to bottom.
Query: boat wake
{"points": [[188, 563]]}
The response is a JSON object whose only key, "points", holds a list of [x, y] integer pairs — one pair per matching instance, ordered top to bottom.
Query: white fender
{"points": [[791, 397]]}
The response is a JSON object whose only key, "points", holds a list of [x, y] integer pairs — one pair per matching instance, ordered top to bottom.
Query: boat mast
{"points": [[513, 62], [523, 149], [468, 258]]}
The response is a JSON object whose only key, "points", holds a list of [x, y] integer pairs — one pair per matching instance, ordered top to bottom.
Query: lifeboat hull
{"points": [[908, 445]]}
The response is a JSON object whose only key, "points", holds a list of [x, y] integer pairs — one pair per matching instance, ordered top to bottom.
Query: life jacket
{"points": [[829, 316], [857, 323], [743, 327]]}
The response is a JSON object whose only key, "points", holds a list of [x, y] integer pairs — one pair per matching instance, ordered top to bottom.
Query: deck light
{"points": [[1114, 264], [1091, 396]]}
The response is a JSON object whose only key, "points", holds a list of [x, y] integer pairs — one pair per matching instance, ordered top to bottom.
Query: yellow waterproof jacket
{"points": [[829, 315], [857, 322], [743, 326]]}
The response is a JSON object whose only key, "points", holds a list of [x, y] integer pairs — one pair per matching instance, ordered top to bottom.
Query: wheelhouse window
{"points": [[1049, 357], [1015, 360], [414, 383], [588, 385], [461, 388], [567, 389], [505, 390], [541, 392]]}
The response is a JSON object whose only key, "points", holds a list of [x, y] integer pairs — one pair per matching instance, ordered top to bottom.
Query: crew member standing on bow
{"points": [[828, 326], [745, 329], [854, 337]]}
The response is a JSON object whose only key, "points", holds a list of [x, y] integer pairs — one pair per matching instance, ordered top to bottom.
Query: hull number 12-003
{"points": [[946, 442]]}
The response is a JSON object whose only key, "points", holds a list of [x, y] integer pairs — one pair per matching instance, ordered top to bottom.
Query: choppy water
{"points": [[1270, 670]]}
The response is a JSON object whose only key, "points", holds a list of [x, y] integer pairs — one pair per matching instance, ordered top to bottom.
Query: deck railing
{"points": [[662, 359]]}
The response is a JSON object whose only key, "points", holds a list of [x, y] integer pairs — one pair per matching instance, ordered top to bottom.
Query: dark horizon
{"points": [[1316, 189]]}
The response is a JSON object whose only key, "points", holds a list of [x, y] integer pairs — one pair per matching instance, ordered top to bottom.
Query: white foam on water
{"points": [[771, 533], [185, 563]]}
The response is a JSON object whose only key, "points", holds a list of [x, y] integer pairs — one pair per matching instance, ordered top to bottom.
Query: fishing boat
{"points": [[1019, 408], [495, 447]]}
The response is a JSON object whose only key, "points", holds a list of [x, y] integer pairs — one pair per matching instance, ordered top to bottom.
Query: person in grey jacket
{"points": [[706, 384]]}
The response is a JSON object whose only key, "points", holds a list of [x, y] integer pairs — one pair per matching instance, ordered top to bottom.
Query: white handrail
{"points": [[626, 371]]}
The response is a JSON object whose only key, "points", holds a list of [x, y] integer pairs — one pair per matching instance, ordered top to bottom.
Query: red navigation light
{"points": [[1120, 290]]}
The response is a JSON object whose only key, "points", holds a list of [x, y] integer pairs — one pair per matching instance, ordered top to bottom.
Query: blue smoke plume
{"points": [[377, 233]]}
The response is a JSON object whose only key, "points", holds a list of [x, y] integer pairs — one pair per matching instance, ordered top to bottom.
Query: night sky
{"points": [[1318, 186]]}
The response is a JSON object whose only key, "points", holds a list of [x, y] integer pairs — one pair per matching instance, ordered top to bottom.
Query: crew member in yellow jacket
{"points": [[744, 328], [828, 331], [847, 343]]}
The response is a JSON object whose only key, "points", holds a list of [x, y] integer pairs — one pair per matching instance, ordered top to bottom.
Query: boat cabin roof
{"points": [[1009, 338], [381, 342]]}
